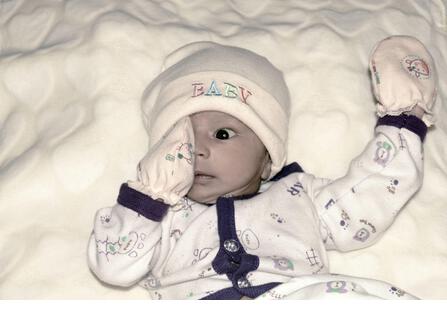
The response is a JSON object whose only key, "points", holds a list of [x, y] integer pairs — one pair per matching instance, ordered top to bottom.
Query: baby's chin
{"points": [[203, 194], [202, 198]]}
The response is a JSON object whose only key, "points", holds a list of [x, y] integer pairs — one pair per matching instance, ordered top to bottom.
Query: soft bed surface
{"points": [[71, 77]]}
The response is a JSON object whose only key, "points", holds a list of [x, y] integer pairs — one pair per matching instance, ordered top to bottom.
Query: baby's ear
{"points": [[267, 167]]}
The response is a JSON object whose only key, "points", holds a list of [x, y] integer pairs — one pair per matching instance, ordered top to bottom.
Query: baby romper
{"points": [[269, 245]]}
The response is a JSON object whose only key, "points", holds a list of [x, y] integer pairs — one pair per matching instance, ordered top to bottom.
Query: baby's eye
{"points": [[224, 134]]}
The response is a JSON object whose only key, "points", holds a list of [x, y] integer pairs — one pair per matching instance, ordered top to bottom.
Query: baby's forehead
{"points": [[214, 117]]}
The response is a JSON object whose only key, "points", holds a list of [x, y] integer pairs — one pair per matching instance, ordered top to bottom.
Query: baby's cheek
{"points": [[240, 164], [244, 177]]}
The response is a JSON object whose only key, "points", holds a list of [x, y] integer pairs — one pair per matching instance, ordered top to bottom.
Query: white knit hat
{"points": [[205, 76]]}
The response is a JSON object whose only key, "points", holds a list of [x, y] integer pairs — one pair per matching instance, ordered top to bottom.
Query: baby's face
{"points": [[230, 158]]}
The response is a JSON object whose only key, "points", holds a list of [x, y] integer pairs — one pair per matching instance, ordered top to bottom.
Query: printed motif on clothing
{"points": [[416, 67], [375, 72], [402, 142], [183, 151], [383, 153], [393, 185], [296, 189], [183, 204], [329, 204], [105, 218], [277, 218], [344, 221], [369, 224], [176, 234], [362, 235], [248, 238], [125, 245], [200, 254], [314, 261], [283, 264], [207, 271], [151, 283], [337, 286], [396, 291], [156, 295], [191, 295], [274, 295]]}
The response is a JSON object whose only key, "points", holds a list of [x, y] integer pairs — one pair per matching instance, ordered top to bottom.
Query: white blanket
{"points": [[71, 76]]}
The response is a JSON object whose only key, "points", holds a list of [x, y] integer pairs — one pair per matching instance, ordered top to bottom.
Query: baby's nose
{"points": [[201, 150], [204, 153]]}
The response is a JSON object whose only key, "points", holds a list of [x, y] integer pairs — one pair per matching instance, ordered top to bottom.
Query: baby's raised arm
{"points": [[356, 209], [124, 243]]}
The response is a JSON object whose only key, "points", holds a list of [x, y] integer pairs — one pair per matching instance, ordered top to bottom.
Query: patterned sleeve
{"points": [[355, 210], [123, 245]]}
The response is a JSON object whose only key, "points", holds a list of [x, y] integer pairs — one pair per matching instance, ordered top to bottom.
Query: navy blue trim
{"points": [[410, 122], [289, 169], [245, 196], [143, 204], [225, 220], [226, 262], [235, 263], [256, 291], [224, 294], [233, 294]]}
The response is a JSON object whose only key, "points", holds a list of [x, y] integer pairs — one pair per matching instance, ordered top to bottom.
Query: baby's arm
{"points": [[356, 209], [126, 238], [123, 241]]}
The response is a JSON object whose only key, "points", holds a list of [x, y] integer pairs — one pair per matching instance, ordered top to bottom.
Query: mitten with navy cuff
{"points": [[404, 78], [166, 173]]}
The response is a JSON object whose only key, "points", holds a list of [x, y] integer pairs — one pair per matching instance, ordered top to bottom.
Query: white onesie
{"points": [[247, 246]]}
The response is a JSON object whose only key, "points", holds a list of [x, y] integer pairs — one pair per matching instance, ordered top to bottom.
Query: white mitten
{"points": [[403, 76], [167, 171]]}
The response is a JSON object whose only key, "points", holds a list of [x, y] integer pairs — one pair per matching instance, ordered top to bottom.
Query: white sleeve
{"points": [[356, 209], [123, 245]]}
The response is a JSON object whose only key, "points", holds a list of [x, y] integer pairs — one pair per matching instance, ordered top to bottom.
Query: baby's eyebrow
{"points": [[231, 121], [233, 126]]}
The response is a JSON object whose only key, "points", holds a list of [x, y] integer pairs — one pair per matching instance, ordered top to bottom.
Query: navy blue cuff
{"points": [[410, 122], [143, 204]]}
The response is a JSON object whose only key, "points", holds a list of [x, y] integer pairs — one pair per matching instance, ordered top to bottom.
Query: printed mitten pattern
{"points": [[403, 76], [167, 171]]}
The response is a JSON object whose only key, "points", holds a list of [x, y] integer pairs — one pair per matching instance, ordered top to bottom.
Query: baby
{"points": [[215, 212]]}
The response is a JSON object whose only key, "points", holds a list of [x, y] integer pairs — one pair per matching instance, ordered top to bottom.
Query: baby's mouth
{"points": [[202, 177]]}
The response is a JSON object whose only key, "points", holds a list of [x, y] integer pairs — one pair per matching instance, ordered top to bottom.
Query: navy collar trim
{"points": [[287, 170], [232, 259], [233, 294]]}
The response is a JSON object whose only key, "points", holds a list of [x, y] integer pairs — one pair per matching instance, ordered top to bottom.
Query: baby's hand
{"points": [[404, 78], [167, 171]]}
